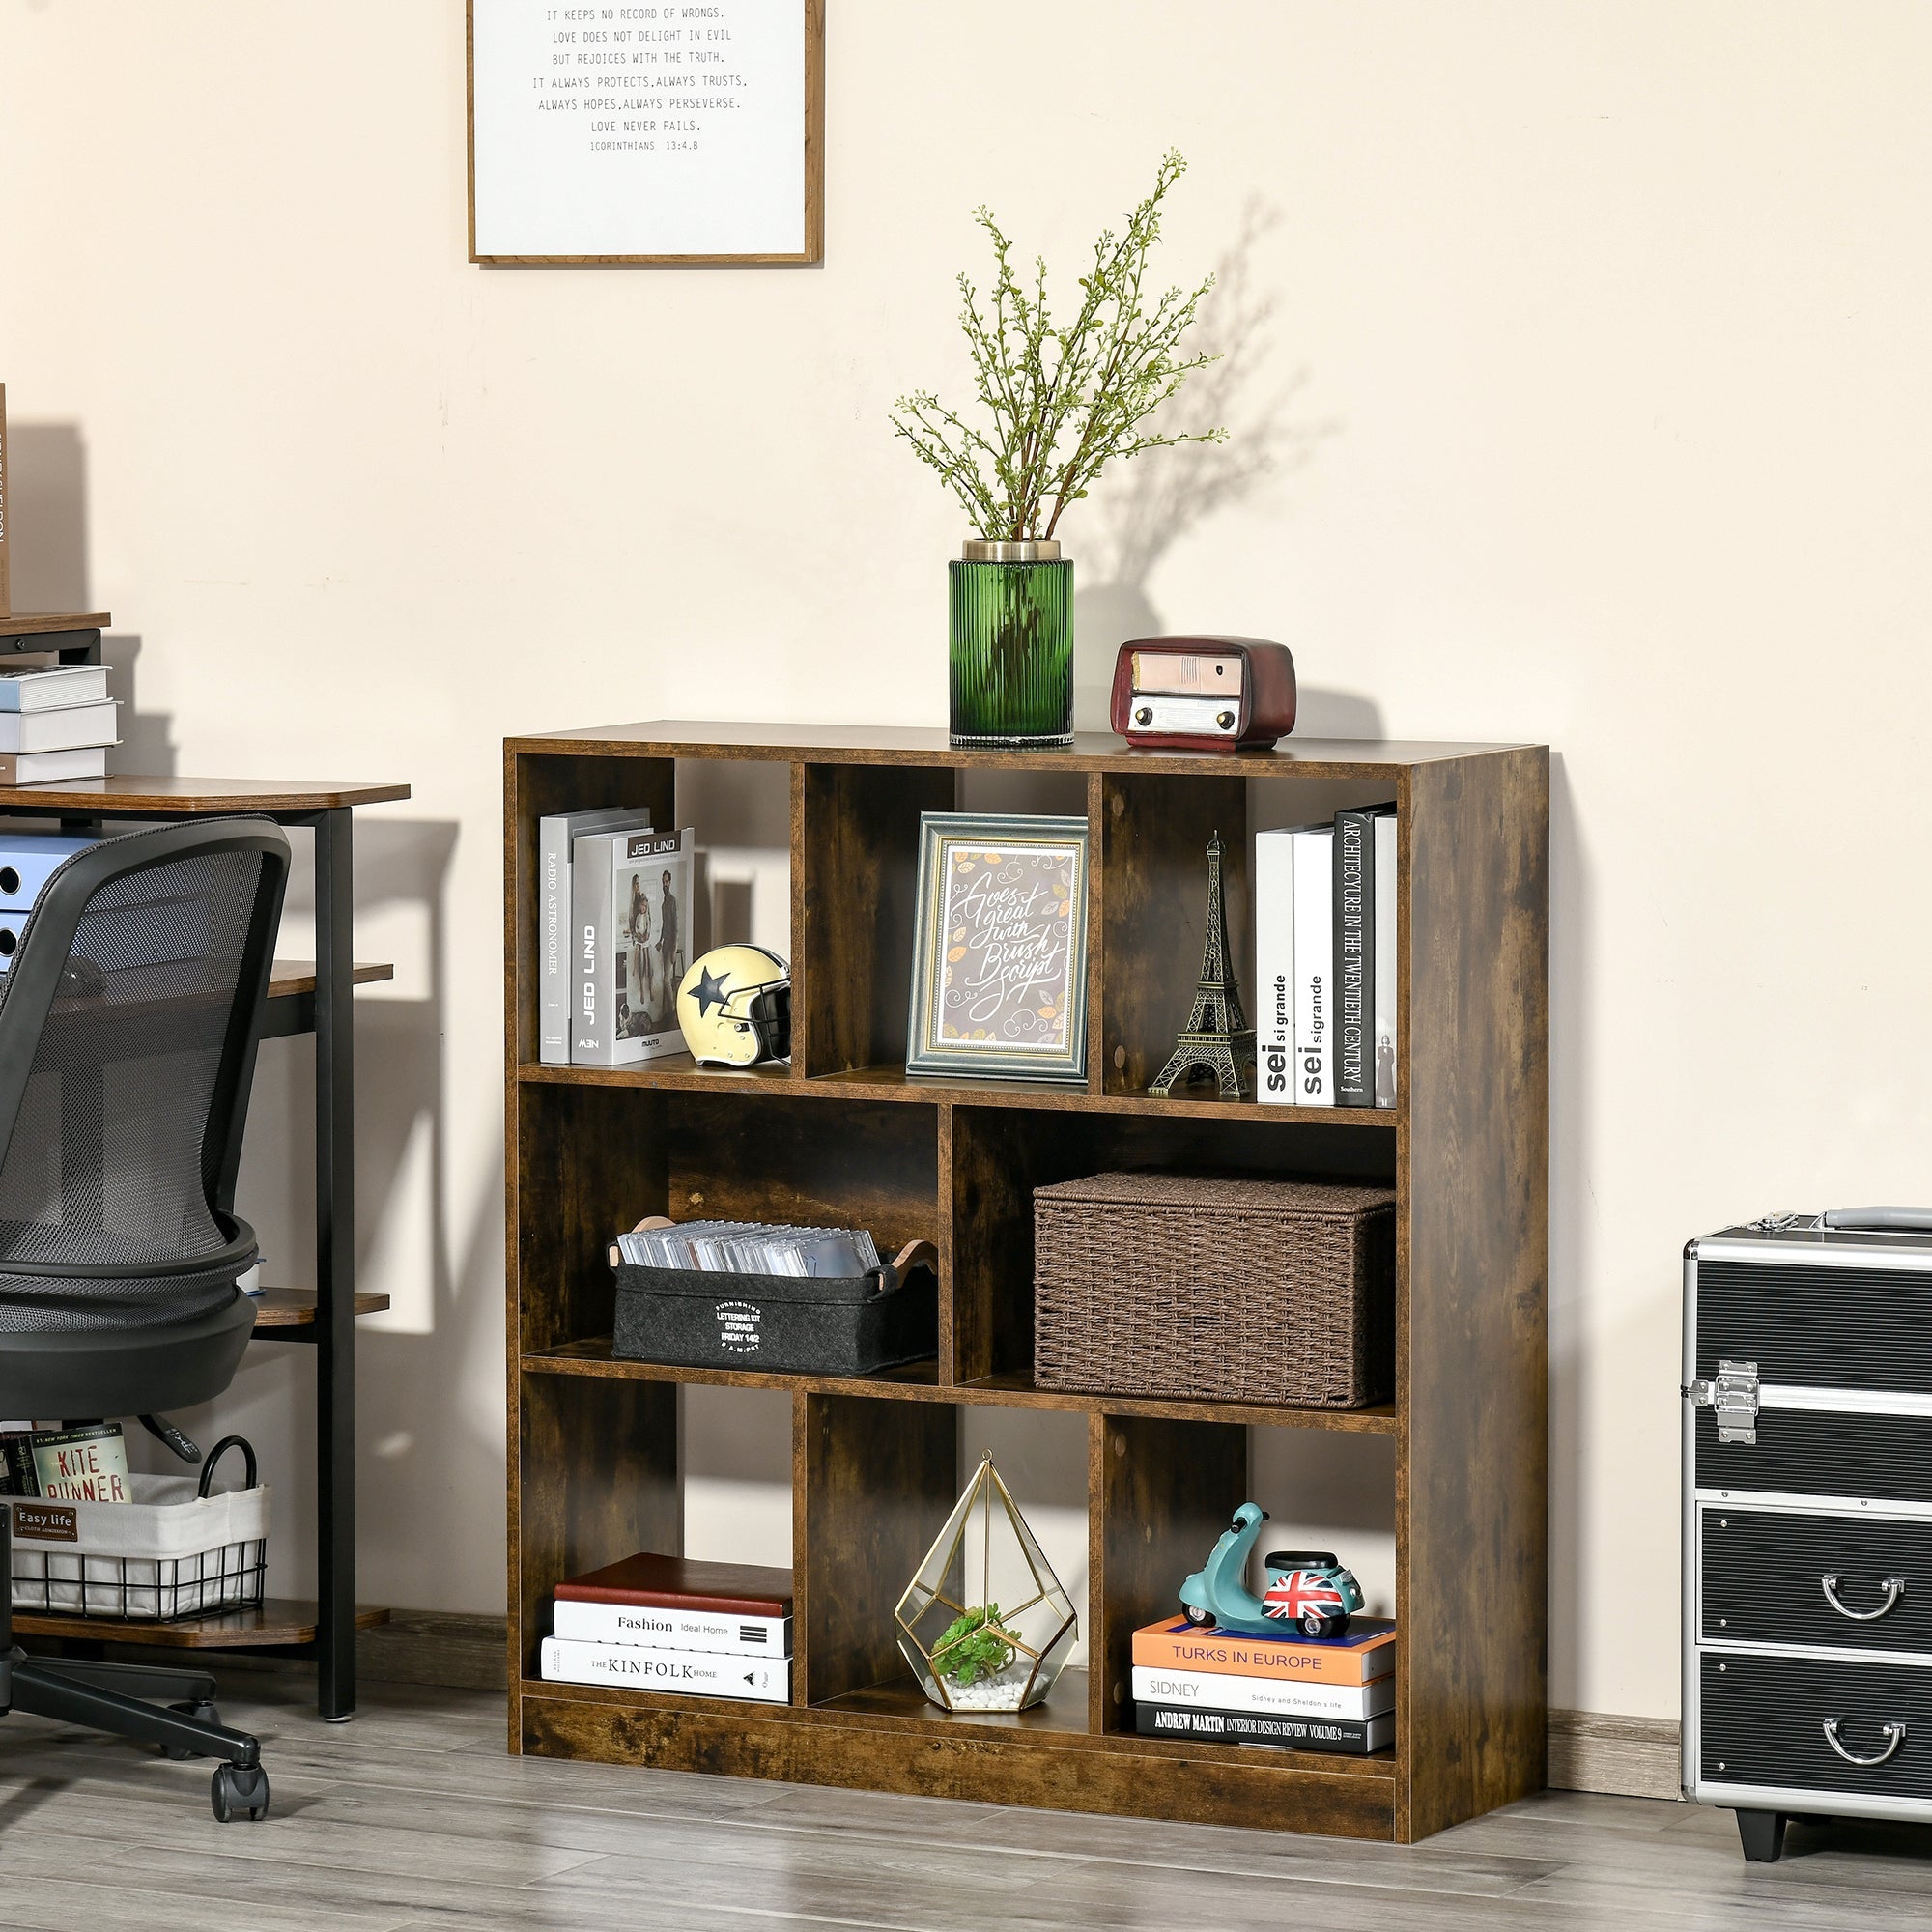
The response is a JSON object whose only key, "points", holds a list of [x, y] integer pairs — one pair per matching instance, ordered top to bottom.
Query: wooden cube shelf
{"points": [[840, 1135]]}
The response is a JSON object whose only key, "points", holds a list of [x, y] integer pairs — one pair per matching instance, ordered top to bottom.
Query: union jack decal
{"points": [[1292, 1593]]}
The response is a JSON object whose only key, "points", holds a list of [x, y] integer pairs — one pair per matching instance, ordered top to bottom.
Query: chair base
{"points": [[107, 1697]]}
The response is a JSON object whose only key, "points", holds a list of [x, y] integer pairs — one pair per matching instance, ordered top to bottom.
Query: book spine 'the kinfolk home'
{"points": [[1313, 954], [1355, 954], [1387, 955], [1274, 967], [673, 1629], [1287, 1662], [683, 1673], [1351, 1703], [1256, 1728]]}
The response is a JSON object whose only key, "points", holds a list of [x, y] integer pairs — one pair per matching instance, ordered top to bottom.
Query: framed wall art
{"points": [[657, 133], [999, 969]]}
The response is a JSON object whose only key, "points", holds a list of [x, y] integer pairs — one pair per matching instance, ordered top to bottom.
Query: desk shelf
{"points": [[841, 1135], [281, 1622]]}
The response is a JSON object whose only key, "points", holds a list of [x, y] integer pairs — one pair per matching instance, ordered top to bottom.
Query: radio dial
{"points": [[1145, 715], [1225, 719]]}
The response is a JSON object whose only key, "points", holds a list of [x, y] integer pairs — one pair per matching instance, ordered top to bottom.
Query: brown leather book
{"points": [[679, 1583]]}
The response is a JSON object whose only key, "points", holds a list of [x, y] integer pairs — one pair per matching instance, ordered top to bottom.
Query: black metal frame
{"points": [[333, 1332]]}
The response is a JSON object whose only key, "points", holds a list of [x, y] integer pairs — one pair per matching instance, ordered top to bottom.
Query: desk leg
{"points": [[335, 1263]]}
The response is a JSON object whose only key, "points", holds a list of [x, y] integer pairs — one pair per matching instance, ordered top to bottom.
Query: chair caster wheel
{"points": [[203, 1712], [238, 1788]]}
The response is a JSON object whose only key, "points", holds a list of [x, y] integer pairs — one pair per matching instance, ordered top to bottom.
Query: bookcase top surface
{"points": [[901, 744]]}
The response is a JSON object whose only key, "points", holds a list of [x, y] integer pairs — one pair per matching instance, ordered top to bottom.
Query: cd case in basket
{"points": [[791, 1324]]}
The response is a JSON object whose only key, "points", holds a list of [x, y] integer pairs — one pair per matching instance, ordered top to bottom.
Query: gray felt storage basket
{"points": [[1232, 1291]]}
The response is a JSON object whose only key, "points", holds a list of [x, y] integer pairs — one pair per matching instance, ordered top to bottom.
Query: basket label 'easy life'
{"points": [[46, 1522]]}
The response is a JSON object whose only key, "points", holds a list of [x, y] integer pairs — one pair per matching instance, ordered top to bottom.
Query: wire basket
{"points": [[174, 1551]]}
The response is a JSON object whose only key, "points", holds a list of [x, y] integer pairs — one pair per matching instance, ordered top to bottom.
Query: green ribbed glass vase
{"points": [[1011, 662]]}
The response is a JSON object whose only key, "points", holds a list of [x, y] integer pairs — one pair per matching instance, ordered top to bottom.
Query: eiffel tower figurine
{"points": [[1217, 1036]]}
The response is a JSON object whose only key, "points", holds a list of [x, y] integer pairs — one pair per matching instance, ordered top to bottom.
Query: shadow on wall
{"points": [[47, 502], [1148, 505]]}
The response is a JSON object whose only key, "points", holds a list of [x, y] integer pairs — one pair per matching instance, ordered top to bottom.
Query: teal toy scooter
{"points": [[1307, 1590]]}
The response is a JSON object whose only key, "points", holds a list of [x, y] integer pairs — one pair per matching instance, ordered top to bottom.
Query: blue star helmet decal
{"points": [[709, 992]]}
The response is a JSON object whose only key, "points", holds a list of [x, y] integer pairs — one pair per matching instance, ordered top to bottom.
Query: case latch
{"points": [[1733, 1393]]}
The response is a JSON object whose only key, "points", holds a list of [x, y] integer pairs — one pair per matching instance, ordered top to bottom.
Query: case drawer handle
{"points": [[1893, 1586], [1894, 1734]]}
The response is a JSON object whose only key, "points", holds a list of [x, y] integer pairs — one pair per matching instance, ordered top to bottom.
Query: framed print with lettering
{"points": [[658, 133], [999, 958]]}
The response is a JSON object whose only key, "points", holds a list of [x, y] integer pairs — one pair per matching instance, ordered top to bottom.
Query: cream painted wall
{"points": [[1603, 336]]}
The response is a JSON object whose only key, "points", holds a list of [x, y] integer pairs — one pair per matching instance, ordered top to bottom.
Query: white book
{"points": [[52, 686], [67, 728], [26, 768], [556, 834], [630, 897], [1388, 953], [1314, 965], [1274, 967], [673, 1629], [681, 1673], [1212, 1690]]}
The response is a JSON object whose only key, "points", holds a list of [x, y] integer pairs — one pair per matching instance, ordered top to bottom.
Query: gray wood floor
{"points": [[413, 1817]]}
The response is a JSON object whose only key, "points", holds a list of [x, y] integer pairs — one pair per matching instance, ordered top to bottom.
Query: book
{"points": [[52, 687], [64, 728], [26, 768], [556, 835], [630, 895], [1389, 954], [1314, 956], [1354, 956], [1274, 968], [70, 1465], [649, 1581], [671, 1630], [1366, 1653], [684, 1673], [1349, 1703], [1258, 1728]]}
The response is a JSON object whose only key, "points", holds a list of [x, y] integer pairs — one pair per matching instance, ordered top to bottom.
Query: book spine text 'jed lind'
{"points": [[1313, 954], [556, 956], [1274, 967], [1355, 971], [673, 1630], [682, 1673], [1353, 1703], [1255, 1728]]}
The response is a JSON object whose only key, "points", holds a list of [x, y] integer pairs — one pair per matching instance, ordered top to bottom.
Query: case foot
{"points": [[1762, 1834]]}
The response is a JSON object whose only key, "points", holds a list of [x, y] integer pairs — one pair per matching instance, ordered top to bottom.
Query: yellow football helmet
{"points": [[734, 1007]]}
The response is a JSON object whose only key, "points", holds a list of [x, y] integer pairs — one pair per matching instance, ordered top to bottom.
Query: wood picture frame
{"points": [[727, 176], [999, 962]]}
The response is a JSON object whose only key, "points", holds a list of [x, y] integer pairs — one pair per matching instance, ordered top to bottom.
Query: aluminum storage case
{"points": [[1807, 1520]]}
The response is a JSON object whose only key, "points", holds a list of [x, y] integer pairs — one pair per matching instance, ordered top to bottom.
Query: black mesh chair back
{"points": [[128, 1024]]}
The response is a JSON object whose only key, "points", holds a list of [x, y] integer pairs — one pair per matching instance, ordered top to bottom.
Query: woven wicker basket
{"points": [[1236, 1290]]}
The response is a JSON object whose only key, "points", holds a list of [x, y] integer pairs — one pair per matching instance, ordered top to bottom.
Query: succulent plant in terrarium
{"points": [[973, 1646]]}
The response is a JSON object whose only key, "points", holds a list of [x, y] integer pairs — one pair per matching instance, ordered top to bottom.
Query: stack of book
{"points": [[56, 725], [614, 937], [1326, 943], [86, 1465], [667, 1622], [1311, 1694]]}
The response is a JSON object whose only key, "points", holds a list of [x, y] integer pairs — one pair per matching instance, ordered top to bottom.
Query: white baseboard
{"points": [[1633, 1757]]}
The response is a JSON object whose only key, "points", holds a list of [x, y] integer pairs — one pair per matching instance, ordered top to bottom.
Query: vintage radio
{"points": [[1203, 693], [1807, 1520]]}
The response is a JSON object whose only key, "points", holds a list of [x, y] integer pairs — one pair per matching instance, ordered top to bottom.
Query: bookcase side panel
{"points": [[857, 891], [877, 1480], [598, 1481], [1472, 1483]]}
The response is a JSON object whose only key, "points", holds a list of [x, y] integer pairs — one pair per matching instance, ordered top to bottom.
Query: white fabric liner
{"points": [[168, 1551]]}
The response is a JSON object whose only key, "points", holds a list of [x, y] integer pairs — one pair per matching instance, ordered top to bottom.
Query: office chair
{"points": [[129, 1018]]}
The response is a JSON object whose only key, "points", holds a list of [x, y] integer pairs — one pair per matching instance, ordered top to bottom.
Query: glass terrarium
{"points": [[984, 1623]]}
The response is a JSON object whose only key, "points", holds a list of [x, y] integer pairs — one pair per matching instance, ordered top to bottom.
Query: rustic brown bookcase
{"points": [[841, 1135]]}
